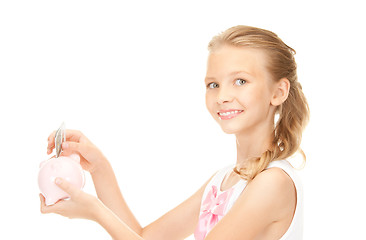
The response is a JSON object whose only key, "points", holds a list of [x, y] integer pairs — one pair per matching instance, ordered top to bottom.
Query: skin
{"points": [[237, 78], [258, 97]]}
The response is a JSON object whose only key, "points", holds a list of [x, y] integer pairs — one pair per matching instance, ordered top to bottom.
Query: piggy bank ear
{"points": [[75, 157]]}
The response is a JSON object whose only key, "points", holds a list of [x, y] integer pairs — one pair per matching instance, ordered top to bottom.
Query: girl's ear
{"points": [[281, 92]]}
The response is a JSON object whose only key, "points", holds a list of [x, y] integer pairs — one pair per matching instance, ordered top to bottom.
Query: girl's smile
{"points": [[228, 114]]}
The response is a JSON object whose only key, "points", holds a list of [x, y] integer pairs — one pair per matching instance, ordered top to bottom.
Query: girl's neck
{"points": [[253, 144]]}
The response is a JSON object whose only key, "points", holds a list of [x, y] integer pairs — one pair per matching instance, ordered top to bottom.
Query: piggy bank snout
{"points": [[64, 167]]}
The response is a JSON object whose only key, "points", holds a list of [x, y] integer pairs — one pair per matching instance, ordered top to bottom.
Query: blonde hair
{"points": [[293, 114]]}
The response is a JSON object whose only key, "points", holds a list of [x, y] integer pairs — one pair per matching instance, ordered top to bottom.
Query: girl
{"points": [[251, 78]]}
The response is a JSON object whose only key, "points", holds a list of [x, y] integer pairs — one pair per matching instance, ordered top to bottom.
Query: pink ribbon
{"points": [[212, 210]]}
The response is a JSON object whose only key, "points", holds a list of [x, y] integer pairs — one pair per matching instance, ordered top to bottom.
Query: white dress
{"points": [[295, 230]]}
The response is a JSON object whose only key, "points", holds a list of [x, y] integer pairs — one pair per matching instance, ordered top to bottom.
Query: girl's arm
{"points": [[109, 193], [176, 224], [116, 228]]}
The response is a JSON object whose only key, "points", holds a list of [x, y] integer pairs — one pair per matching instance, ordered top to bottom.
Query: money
{"points": [[60, 137]]}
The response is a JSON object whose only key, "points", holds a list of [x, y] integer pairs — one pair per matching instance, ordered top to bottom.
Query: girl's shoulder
{"points": [[287, 169], [279, 178], [275, 179], [272, 190], [269, 198]]}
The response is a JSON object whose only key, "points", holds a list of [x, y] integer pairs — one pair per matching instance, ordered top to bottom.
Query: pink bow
{"points": [[212, 210]]}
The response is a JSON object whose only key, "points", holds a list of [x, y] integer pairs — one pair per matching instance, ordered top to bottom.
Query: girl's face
{"points": [[239, 89]]}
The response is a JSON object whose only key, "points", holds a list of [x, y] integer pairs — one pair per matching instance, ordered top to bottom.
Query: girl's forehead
{"points": [[235, 59]]}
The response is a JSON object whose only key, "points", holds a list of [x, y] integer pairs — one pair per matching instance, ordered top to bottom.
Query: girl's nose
{"points": [[224, 96]]}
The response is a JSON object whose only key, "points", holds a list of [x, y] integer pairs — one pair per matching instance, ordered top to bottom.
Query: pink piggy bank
{"points": [[66, 167]]}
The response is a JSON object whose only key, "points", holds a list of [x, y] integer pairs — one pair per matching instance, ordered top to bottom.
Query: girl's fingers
{"points": [[71, 135], [51, 137], [51, 142], [72, 147], [67, 187], [41, 198], [80, 204], [59, 207], [44, 208]]}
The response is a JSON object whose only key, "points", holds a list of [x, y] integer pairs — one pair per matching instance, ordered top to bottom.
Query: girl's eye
{"points": [[240, 81], [212, 85]]}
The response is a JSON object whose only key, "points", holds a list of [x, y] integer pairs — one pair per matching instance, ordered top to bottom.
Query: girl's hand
{"points": [[90, 156], [80, 204], [83, 205]]}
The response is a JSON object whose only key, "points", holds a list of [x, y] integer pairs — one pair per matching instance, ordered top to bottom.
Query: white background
{"points": [[129, 74]]}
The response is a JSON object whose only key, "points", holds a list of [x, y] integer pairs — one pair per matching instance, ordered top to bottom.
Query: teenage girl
{"points": [[251, 78]]}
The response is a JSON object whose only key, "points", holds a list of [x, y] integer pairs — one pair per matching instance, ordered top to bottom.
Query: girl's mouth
{"points": [[228, 114]]}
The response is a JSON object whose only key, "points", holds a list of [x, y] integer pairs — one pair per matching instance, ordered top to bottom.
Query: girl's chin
{"points": [[234, 127], [230, 130]]}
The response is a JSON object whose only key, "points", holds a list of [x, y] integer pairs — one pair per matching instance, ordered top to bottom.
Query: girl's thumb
{"points": [[66, 186]]}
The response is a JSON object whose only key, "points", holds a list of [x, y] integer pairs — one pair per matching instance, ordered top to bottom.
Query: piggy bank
{"points": [[66, 167]]}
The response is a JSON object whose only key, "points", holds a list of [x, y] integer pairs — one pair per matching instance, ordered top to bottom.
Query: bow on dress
{"points": [[212, 210]]}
